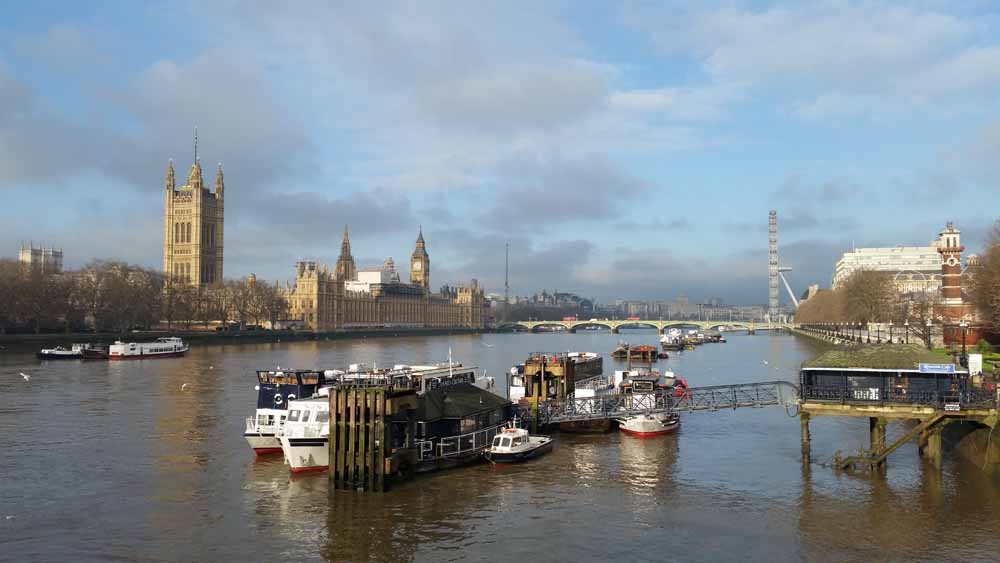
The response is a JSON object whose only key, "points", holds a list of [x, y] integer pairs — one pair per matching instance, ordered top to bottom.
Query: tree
{"points": [[984, 282], [10, 294], [868, 296], [827, 306]]}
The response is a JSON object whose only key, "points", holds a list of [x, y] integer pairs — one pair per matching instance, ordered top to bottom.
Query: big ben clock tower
{"points": [[420, 264]]}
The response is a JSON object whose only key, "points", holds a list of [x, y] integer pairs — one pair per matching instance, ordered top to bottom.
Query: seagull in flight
{"points": [[487, 345], [765, 362], [25, 376], [184, 386]]}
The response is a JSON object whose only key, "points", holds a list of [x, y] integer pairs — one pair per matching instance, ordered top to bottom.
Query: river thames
{"points": [[115, 461]]}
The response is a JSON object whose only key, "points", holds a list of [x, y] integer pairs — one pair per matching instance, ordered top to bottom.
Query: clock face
{"points": [[418, 266]]}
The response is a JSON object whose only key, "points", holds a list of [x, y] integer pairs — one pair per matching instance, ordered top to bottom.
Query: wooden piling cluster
{"points": [[362, 452]]}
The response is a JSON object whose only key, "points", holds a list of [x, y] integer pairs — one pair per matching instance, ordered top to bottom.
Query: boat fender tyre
{"points": [[291, 397], [277, 399]]}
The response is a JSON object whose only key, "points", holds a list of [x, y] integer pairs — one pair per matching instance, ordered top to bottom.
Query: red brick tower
{"points": [[950, 247]]}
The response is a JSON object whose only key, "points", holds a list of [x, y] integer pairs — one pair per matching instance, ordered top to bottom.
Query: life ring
{"points": [[277, 399]]}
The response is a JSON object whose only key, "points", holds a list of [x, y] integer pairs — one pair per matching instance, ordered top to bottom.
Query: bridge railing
{"points": [[709, 398]]}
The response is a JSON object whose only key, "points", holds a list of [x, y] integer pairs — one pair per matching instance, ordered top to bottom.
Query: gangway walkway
{"points": [[710, 398]]}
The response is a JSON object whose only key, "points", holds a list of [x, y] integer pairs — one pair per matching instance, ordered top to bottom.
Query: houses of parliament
{"points": [[344, 297], [320, 299]]}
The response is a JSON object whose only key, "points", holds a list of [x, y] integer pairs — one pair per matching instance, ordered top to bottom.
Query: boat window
{"points": [[293, 416], [305, 416], [323, 416], [496, 441], [506, 442]]}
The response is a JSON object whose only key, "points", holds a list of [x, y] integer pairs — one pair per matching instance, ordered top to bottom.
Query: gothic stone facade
{"points": [[192, 228], [320, 300]]}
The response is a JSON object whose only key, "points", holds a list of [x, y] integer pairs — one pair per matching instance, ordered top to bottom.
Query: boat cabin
{"points": [[276, 387], [510, 439]]}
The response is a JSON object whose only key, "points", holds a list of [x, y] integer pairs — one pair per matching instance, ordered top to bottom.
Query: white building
{"points": [[47, 260], [914, 268]]}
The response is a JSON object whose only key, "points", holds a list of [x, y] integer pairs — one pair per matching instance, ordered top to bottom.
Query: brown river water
{"points": [[114, 461]]}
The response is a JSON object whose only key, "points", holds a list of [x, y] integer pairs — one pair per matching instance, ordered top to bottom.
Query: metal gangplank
{"points": [[710, 398]]}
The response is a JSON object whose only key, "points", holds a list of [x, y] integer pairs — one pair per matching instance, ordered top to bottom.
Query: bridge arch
{"points": [[636, 324], [512, 326], [560, 326], [574, 326]]}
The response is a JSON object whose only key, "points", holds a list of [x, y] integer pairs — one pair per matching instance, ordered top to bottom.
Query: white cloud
{"points": [[838, 58]]}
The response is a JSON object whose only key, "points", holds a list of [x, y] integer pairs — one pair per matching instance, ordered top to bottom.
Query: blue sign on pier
{"points": [[937, 368]]}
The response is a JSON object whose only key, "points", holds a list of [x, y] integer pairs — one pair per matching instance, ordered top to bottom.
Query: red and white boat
{"points": [[167, 347], [649, 425]]}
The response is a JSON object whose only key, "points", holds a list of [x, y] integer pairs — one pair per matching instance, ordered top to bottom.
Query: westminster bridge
{"points": [[660, 325]]}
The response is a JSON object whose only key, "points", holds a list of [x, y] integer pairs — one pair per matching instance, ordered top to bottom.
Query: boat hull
{"points": [[95, 355], [51, 356], [154, 356], [601, 426], [649, 426], [263, 444], [305, 455], [519, 457]]}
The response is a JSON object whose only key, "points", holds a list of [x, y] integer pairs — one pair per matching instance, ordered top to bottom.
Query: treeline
{"points": [[117, 297]]}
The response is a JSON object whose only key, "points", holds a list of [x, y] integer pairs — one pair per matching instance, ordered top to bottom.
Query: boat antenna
{"points": [[451, 372]]}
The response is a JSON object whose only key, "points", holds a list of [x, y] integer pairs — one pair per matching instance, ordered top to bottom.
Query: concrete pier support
{"points": [[804, 421], [876, 427], [932, 446]]}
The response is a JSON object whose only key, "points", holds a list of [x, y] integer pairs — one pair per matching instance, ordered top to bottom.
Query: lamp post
{"points": [[906, 325], [965, 329], [868, 332], [878, 332], [890, 332], [930, 339]]}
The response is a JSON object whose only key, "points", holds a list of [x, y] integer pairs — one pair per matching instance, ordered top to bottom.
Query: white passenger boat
{"points": [[167, 347], [275, 389], [305, 434], [514, 445]]}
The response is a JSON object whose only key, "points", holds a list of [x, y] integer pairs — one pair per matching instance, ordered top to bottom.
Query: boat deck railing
{"points": [[452, 446]]}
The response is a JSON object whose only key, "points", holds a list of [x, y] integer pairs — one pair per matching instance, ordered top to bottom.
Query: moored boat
{"points": [[167, 347], [95, 352], [61, 353], [275, 389], [649, 425], [305, 434], [515, 445]]}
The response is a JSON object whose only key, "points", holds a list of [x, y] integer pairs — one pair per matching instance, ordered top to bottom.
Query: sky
{"points": [[624, 150]]}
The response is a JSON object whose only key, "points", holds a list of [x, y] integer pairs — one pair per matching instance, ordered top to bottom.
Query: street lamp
{"points": [[906, 325], [965, 329], [878, 332], [890, 332], [930, 339]]}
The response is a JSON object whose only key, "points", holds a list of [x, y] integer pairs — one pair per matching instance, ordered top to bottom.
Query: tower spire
{"points": [[196, 143], [171, 183], [220, 183]]}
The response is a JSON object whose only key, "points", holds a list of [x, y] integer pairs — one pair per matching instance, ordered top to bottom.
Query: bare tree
{"points": [[984, 282], [868, 296]]}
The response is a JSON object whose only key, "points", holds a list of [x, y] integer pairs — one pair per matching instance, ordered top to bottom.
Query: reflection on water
{"points": [[117, 461]]}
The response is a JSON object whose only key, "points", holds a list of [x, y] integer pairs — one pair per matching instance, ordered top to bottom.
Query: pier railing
{"points": [[853, 395]]}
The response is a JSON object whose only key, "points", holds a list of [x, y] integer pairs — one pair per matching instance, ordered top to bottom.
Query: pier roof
{"points": [[885, 356], [457, 401]]}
